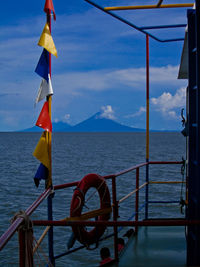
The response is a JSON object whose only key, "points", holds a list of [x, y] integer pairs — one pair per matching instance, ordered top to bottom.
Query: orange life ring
{"points": [[91, 180]]}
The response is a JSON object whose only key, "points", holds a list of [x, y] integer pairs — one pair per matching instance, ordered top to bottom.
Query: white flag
{"points": [[44, 90]]}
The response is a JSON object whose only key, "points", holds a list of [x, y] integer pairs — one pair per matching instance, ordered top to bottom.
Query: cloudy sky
{"points": [[100, 64]]}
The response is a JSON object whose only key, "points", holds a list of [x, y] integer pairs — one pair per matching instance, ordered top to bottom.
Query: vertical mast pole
{"points": [[49, 99], [147, 126], [49, 181]]}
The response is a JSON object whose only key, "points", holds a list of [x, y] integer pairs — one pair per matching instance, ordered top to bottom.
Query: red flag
{"points": [[49, 6], [44, 120]]}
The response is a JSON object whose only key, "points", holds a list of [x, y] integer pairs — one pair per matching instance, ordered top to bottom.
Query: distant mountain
{"points": [[98, 124], [57, 127]]}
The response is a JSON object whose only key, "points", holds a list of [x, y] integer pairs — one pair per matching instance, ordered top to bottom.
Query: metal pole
{"points": [[147, 7], [49, 99], [147, 127], [49, 181], [137, 198], [115, 215], [159, 222], [50, 232], [21, 237]]}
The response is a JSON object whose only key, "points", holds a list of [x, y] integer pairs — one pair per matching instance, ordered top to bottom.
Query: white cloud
{"points": [[134, 76], [131, 78], [168, 103], [107, 112], [137, 113], [66, 117]]}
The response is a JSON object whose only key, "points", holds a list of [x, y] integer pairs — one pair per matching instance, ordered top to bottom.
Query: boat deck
{"points": [[156, 246]]}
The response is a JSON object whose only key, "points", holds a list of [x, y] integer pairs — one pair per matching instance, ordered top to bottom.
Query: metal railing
{"points": [[115, 223]]}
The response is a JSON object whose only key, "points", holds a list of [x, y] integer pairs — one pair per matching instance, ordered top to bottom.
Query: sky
{"points": [[101, 64]]}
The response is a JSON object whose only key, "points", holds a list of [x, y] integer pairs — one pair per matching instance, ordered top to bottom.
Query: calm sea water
{"points": [[74, 156]]}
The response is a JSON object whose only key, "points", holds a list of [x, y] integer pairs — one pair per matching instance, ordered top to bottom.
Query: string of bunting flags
{"points": [[42, 151]]}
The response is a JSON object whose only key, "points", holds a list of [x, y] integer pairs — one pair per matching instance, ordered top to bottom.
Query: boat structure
{"points": [[140, 239]]}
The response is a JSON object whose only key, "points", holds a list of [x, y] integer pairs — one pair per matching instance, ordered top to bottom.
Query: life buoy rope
{"points": [[78, 200]]}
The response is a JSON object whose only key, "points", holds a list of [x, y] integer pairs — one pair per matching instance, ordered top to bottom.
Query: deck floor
{"points": [[156, 246]]}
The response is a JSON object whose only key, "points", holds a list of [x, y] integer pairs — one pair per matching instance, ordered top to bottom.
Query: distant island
{"points": [[96, 123]]}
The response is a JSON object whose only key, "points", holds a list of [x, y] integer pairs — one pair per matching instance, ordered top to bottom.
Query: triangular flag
{"points": [[49, 6], [46, 41], [42, 68], [44, 90], [44, 120], [41, 150], [42, 173]]}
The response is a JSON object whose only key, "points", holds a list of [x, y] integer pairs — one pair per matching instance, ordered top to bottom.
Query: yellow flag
{"points": [[46, 41], [41, 150]]}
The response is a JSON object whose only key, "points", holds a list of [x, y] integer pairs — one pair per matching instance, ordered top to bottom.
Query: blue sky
{"points": [[100, 64]]}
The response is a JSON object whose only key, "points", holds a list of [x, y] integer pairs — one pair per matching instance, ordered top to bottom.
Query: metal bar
{"points": [[159, 3], [147, 7], [133, 25], [163, 26], [147, 98], [49, 99], [147, 128], [165, 162], [139, 166], [128, 170], [49, 180], [167, 182], [61, 186], [57, 187], [147, 192], [131, 193], [137, 197], [157, 202], [36, 203], [90, 214], [115, 215], [161, 222], [14, 226], [50, 232], [21, 237], [40, 239], [68, 252]]}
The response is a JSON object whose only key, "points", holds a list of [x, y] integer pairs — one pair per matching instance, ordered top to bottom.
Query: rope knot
{"points": [[27, 224]]}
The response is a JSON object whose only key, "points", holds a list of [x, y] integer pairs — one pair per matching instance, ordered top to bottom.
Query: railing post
{"points": [[147, 127], [147, 193], [137, 198], [115, 215], [50, 232], [25, 236], [21, 237]]}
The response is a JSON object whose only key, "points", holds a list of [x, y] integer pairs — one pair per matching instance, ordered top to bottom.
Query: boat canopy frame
{"points": [[143, 28]]}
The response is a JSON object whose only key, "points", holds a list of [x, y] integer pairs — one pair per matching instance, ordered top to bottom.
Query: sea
{"points": [[74, 155]]}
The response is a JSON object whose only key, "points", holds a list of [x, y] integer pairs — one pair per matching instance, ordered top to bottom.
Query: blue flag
{"points": [[42, 68], [42, 173]]}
